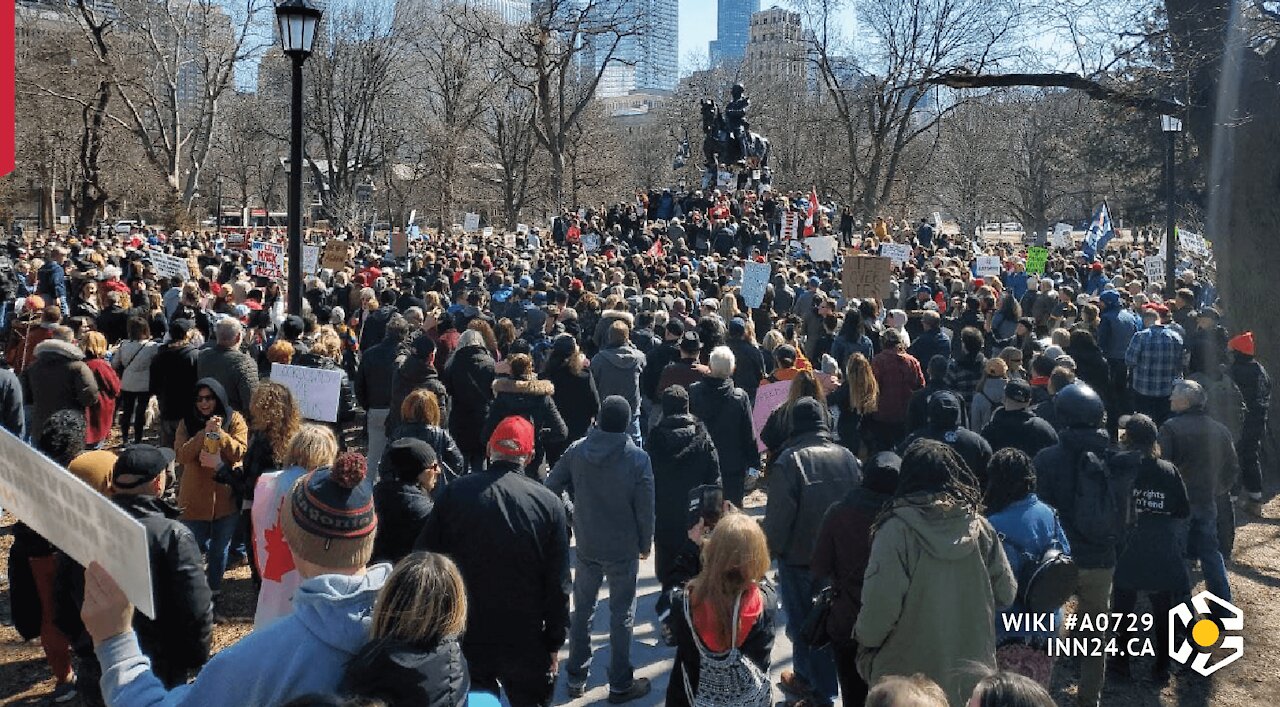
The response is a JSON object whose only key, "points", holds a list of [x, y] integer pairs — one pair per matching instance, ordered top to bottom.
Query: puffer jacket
{"points": [[58, 379], [530, 399], [683, 457], [807, 478], [936, 576], [405, 675]]}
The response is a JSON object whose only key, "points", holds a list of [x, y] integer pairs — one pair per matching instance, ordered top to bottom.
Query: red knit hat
{"points": [[1242, 343], [513, 437]]}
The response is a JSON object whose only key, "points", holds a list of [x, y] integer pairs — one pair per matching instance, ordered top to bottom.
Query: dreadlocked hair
{"points": [[932, 467], [1010, 477]]}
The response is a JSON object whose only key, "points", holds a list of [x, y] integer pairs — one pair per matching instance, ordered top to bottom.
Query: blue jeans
{"points": [[214, 539], [1202, 543], [588, 577], [816, 667]]}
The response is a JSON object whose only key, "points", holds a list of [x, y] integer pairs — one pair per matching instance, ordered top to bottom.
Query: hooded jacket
{"points": [[1116, 327], [233, 368], [417, 371], [617, 372], [373, 377], [173, 378], [58, 379], [469, 379], [575, 398], [530, 399], [985, 401], [944, 426], [1020, 429], [683, 457], [452, 464], [1057, 468], [806, 479], [611, 483], [199, 496], [402, 510], [936, 577], [304, 652], [406, 675]]}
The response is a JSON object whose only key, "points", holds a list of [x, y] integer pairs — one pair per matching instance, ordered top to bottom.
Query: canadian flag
{"points": [[811, 218], [656, 250]]}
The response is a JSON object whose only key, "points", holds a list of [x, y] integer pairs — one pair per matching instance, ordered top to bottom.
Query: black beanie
{"points": [[675, 401], [615, 414], [807, 416], [880, 473]]}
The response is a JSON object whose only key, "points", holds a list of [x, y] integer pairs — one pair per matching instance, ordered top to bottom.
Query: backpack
{"points": [[1097, 516], [1045, 581], [728, 679]]}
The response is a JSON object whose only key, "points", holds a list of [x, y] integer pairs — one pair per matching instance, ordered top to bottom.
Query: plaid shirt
{"points": [[1155, 358]]}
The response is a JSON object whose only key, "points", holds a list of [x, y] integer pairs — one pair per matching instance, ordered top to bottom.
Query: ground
{"points": [[1251, 681]]}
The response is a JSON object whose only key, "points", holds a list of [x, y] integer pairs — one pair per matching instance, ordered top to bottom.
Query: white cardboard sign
{"points": [[471, 222], [822, 249], [899, 253], [268, 259], [310, 259], [989, 265], [170, 266], [755, 277], [315, 389], [76, 518]]}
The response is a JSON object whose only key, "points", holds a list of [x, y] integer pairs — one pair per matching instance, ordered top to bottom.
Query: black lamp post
{"points": [[297, 21], [1171, 126]]}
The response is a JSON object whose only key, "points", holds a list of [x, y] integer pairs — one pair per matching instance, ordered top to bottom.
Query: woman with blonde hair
{"points": [[326, 354], [857, 397], [101, 414], [420, 419], [312, 447], [725, 610], [414, 655]]}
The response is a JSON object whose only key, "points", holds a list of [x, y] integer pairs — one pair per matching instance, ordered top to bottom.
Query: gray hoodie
{"points": [[617, 372], [610, 480]]}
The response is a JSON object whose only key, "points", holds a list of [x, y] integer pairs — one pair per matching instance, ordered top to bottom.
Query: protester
{"points": [[132, 363], [225, 363], [617, 369], [898, 374], [468, 376], [173, 378], [58, 379], [372, 385], [1255, 388], [522, 394], [575, 395], [857, 398], [725, 410], [101, 413], [274, 420], [1014, 425], [611, 484], [402, 498], [961, 574], [1009, 689], [901, 691]]}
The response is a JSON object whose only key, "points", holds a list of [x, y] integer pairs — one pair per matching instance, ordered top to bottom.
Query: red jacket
{"points": [[898, 375], [100, 415]]}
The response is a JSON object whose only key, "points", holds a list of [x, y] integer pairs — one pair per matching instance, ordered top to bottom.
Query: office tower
{"points": [[733, 24], [776, 48]]}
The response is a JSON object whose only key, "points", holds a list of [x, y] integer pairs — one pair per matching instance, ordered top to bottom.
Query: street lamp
{"points": [[297, 21], [1171, 126]]}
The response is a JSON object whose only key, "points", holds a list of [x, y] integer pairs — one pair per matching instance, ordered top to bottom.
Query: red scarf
{"points": [[751, 609]]}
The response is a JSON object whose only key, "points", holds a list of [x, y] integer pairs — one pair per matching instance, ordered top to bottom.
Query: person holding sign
{"points": [[211, 438]]}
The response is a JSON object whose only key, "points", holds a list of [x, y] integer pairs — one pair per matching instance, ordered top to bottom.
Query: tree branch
{"points": [[1089, 87]]}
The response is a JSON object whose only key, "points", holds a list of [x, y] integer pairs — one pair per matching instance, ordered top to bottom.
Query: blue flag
{"points": [[1100, 232]]}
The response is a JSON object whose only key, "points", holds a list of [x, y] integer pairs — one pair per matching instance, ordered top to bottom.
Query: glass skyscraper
{"points": [[733, 29]]}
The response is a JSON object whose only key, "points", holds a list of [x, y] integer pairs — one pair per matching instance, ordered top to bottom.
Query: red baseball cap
{"points": [[512, 437]]}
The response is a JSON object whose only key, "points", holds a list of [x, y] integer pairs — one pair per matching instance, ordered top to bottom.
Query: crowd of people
{"points": [[522, 423]]}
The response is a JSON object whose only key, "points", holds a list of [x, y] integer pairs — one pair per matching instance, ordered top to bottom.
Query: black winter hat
{"points": [[675, 401], [615, 414], [807, 416], [880, 474]]}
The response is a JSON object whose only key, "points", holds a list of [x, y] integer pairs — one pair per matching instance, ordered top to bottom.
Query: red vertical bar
{"points": [[8, 119]]}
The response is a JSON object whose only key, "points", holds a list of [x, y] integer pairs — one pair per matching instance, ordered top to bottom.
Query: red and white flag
{"points": [[811, 219], [657, 250]]}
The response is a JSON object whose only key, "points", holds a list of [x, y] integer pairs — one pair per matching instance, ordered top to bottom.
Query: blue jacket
{"points": [[1017, 283], [1115, 330], [930, 344], [610, 480], [1027, 529], [302, 653]]}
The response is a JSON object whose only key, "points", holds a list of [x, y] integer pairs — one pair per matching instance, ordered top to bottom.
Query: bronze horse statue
{"points": [[739, 150]]}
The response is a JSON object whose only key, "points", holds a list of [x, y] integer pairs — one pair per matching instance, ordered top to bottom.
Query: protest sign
{"points": [[413, 216], [937, 220], [471, 222], [790, 226], [522, 228], [486, 232], [1061, 237], [508, 240], [237, 241], [591, 242], [1192, 243], [399, 244], [822, 249], [899, 253], [336, 255], [1036, 257], [268, 259], [310, 259], [989, 265], [170, 266], [1153, 266], [865, 276], [755, 277], [315, 389], [768, 398], [76, 518]]}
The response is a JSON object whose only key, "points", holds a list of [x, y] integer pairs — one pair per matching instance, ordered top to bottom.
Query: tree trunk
{"points": [[92, 195]]}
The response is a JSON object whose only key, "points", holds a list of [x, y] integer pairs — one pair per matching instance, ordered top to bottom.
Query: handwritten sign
{"points": [[471, 222], [790, 226], [522, 228], [487, 232], [1061, 237], [508, 240], [1193, 243], [399, 244], [822, 249], [899, 253], [336, 254], [1036, 258], [268, 259], [310, 259], [989, 265], [170, 266], [1153, 267], [865, 276], [755, 278], [315, 389], [769, 397], [76, 518]]}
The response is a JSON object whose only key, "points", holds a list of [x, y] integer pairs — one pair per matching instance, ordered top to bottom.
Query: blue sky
{"points": [[698, 25]]}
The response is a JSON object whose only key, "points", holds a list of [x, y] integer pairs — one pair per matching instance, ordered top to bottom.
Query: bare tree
{"points": [[510, 144]]}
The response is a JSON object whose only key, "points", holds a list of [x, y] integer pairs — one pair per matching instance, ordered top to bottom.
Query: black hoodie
{"points": [[194, 420], [944, 426], [683, 458], [405, 675]]}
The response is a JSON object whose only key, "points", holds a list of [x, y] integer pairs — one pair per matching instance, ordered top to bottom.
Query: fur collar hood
{"points": [[527, 387]]}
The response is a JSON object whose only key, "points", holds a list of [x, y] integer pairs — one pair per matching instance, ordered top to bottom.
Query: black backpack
{"points": [[1097, 516], [1048, 580]]}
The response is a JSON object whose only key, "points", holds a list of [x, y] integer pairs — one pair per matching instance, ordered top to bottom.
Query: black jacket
{"points": [[375, 327], [654, 362], [749, 368], [415, 373], [374, 375], [469, 379], [1255, 387], [576, 398], [530, 399], [726, 411], [1020, 429], [450, 457], [683, 458], [1057, 468], [807, 478], [402, 510], [509, 536], [177, 641], [756, 647], [405, 675]]}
